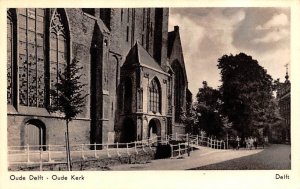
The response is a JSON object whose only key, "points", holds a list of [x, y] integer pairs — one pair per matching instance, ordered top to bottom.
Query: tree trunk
{"points": [[68, 141]]}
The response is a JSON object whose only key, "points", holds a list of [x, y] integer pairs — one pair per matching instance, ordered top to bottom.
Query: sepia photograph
{"points": [[108, 90], [114, 93]]}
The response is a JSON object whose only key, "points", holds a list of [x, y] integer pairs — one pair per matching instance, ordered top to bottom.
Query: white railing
{"points": [[190, 141], [212, 143], [178, 150], [55, 154]]}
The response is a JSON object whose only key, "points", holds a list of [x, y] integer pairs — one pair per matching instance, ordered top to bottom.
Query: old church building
{"points": [[133, 67]]}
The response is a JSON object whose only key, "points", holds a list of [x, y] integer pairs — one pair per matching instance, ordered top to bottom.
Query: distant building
{"points": [[133, 67], [283, 133]]}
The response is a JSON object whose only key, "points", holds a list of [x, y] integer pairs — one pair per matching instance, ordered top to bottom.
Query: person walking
{"points": [[237, 140], [251, 140], [255, 142], [247, 143]]}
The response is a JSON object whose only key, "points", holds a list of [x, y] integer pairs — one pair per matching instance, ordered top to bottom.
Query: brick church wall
{"points": [[81, 27], [110, 59]]}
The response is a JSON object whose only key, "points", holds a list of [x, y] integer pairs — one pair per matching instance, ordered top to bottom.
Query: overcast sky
{"points": [[208, 33]]}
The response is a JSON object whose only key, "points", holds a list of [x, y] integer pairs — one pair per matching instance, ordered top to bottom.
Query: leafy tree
{"points": [[276, 84], [246, 94], [68, 96], [208, 97], [207, 108], [189, 118]]}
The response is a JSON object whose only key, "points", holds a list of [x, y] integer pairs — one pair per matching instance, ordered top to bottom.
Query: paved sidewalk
{"points": [[203, 156]]}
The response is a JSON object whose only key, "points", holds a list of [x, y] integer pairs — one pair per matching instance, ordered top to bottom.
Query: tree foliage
{"points": [[246, 93], [68, 96], [208, 98], [207, 110], [189, 118]]}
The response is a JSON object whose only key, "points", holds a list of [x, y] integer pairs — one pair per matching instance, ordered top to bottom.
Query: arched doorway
{"points": [[154, 128], [128, 131], [35, 134]]}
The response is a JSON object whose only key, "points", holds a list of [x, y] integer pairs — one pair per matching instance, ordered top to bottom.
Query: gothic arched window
{"points": [[58, 49], [11, 51], [31, 57], [154, 96]]}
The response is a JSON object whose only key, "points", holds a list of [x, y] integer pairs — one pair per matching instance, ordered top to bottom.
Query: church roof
{"points": [[139, 56]]}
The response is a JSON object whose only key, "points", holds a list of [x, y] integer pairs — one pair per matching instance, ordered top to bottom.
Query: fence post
{"points": [[176, 136], [187, 137], [197, 140], [214, 143], [143, 146], [135, 148], [107, 149], [118, 149], [127, 149], [179, 149], [81, 150], [95, 150], [171, 151], [49, 153], [28, 155], [41, 160]]}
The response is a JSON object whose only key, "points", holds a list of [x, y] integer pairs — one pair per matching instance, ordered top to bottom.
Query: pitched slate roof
{"points": [[139, 56]]}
